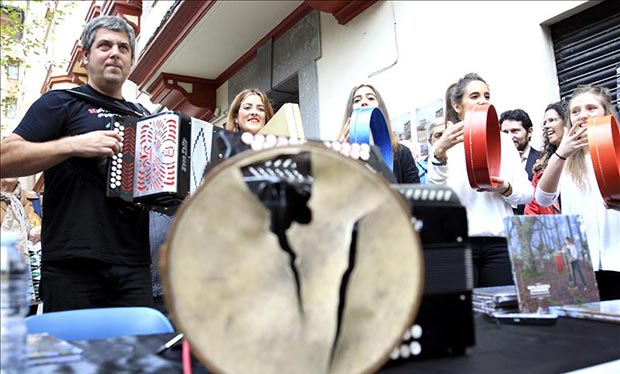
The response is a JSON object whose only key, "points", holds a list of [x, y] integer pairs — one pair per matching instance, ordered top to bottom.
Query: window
{"points": [[13, 72], [285, 92], [10, 107], [11, 110]]}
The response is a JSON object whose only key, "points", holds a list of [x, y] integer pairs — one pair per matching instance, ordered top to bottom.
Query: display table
{"points": [[569, 345]]}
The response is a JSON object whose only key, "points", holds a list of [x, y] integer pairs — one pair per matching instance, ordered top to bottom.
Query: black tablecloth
{"points": [[569, 345]]}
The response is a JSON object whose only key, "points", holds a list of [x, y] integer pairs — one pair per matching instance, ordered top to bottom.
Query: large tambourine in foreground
{"points": [[482, 143], [604, 145], [293, 259]]}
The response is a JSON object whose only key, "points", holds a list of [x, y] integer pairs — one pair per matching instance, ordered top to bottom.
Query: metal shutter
{"points": [[587, 49]]}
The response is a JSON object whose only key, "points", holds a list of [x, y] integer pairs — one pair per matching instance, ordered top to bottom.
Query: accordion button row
{"points": [[427, 195], [408, 348]]}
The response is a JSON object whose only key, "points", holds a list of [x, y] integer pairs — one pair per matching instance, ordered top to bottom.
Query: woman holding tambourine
{"points": [[366, 96], [572, 171], [486, 207]]}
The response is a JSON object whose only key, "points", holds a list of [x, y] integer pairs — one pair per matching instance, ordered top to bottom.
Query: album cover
{"points": [[551, 262], [599, 311], [47, 349]]}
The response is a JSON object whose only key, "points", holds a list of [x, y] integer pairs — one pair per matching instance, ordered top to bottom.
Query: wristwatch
{"points": [[442, 160]]}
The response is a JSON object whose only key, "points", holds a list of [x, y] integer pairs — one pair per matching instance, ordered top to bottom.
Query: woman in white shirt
{"points": [[570, 171], [485, 209]]}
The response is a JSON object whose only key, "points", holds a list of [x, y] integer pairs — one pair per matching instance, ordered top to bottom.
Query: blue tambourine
{"points": [[366, 121]]}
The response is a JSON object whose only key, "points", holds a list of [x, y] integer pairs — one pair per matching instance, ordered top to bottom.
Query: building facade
{"points": [[195, 56]]}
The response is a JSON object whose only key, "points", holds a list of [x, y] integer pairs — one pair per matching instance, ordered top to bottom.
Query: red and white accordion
{"points": [[163, 159]]}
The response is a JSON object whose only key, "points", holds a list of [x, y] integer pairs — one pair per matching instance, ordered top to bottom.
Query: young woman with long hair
{"points": [[570, 171], [486, 210]]}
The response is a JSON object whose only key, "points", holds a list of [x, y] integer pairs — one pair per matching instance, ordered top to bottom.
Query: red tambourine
{"points": [[604, 144], [483, 149]]}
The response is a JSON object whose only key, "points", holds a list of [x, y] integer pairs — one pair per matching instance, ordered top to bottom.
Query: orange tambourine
{"points": [[482, 143], [604, 144]]}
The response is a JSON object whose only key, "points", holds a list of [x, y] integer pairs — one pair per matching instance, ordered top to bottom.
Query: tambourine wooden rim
{"points": [[482, 144], [604, 146], [187, 264]]}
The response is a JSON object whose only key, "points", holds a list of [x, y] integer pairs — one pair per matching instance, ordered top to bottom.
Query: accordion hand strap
{"points": [[115, 106]]}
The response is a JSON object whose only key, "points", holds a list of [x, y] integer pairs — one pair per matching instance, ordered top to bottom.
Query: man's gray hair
{"points": [[112, 23], [437, 121]]}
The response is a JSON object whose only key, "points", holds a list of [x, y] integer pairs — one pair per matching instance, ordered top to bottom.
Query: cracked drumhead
{"points": [[331, 290]]}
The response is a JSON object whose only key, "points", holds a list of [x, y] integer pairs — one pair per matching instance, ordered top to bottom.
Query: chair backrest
{"points": [[100, 323]]}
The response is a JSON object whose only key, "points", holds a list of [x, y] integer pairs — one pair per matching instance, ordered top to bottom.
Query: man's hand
{"points": [[95, 143], [20, 157], [35, 234]]}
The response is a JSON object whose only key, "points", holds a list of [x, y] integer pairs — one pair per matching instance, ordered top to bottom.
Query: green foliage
{"points": [[23, 36], [8, 102], [528, 273]]}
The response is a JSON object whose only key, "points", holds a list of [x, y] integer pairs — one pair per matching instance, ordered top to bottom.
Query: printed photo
{"points": [[551, 261]]}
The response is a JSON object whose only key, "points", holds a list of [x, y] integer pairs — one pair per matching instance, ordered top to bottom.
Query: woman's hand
{"points": [[344, 133], [451, 137], [575, 139], [503, 186], [35, 234]]}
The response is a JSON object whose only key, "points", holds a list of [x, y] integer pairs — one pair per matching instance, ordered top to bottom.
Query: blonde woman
{"points": [[570, 171]]}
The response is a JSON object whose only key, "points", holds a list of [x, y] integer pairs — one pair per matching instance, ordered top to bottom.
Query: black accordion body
{"points": [[163, 159], [444, 325]]}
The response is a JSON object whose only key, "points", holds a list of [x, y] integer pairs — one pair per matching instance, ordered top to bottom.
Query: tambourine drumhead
{"points": [[366, 121], [482, 143], [604, 146], [231, 289]]}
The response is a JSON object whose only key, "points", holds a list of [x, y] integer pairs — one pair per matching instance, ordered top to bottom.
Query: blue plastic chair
{"points": [[100, 323]]}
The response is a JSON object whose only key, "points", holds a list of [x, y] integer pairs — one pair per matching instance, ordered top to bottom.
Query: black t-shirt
{"points": [[80, 222]]}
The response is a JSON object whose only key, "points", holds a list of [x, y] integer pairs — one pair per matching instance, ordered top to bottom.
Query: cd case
{"points": [[551, 262], [491, 300], [47, 349]]}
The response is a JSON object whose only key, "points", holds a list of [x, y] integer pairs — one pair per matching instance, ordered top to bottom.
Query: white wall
{"points": [[439, 42]]}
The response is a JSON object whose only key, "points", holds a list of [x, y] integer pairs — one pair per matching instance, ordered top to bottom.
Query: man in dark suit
{"points": [[518, 125]]}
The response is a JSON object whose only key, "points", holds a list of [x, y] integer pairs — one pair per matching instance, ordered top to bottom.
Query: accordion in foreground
{"points": [[163, 159], [444, 325]]}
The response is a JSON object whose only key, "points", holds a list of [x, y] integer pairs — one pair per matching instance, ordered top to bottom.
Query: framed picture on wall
{"points": [[424, 117], [401, 125]]}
